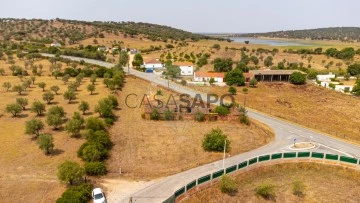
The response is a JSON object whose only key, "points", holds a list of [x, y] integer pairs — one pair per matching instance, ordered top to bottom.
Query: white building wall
{"points": [[153, 65], [186, 70], [325, 77], [202, 79], [341, 88]]}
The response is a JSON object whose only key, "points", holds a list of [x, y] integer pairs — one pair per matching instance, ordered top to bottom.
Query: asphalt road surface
{"points": [[285, 133]]}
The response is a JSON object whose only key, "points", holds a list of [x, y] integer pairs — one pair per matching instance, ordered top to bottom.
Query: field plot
{"points": [[312, 106], [147, 149], [26, 173], [322, 184]]}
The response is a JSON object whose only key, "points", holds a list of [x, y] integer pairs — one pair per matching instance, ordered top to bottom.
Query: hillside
{"points": [[71, 31], [333, 33]]}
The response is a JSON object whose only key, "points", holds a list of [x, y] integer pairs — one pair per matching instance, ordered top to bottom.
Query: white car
{"points": [[98, 196]]}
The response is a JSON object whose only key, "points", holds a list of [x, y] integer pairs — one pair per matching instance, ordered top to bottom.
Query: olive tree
{"points": [[6, 85], [42, 85], [18, 88], [91, 88], [55, 89], [69, 95], [48, 97], [23, 102], [84, 106], [38, 107], [14, 109], [33, 127], [46, 143], [70, 172]]}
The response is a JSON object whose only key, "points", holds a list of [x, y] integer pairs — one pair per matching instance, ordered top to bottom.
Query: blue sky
{"points": [[197, 15]]}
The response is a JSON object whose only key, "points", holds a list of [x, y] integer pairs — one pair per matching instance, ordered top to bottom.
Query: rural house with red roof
{"points": [[206, 76]]}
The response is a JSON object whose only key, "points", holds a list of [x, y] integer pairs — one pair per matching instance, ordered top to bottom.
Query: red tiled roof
{"points": [[153, 61], [210, 74]]}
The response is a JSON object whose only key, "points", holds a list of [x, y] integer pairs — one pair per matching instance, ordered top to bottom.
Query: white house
{"points": [[154, 64], [187, 68], [206, 76], [327, 77], [343, 88]]}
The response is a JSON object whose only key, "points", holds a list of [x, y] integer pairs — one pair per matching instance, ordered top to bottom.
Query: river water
{"points": [[271, 42]]}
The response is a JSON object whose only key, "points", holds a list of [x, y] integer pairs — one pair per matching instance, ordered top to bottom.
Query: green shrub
{"points": [[297, 78], [232, 90], [245, 90], [114, 101], [222, 110], [155, 115], [168, 115], [200, 117], [244, 119], [109, 121], [94, 124], [99, 137], [215, 141], [92, 152], [95, 168], [227, 184], [298, 188], [267, 191], [76, 194]]}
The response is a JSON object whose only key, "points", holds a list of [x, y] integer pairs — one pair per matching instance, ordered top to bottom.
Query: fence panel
{"points": [[303, 154], [290, 155], [317, 155], [276, 156], [332, 157], [264, 158], [348, 159], [253, 161], [243, 164], [231, 169], [218, 174], [204, 179], [190, 185], [179, 192]]}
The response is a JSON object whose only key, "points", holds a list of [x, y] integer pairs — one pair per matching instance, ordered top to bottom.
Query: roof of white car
{"points": [[97, 190]]}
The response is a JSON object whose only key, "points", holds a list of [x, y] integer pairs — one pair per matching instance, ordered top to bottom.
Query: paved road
{"points": [[285, 132]]}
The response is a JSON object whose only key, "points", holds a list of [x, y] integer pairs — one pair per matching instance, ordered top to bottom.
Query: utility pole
{"points": [[224, 156]]}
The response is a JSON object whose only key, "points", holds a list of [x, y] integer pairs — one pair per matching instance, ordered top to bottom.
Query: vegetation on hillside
{"points": [[72, 31], [348, 34]]}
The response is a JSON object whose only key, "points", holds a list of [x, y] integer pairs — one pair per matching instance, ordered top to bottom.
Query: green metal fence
{"points": [[259, 159], [231, 169]]}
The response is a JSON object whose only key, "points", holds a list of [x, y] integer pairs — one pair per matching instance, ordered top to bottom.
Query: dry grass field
{"points": [[309, 105], [147, 149], [26, 173], [323, 184]]}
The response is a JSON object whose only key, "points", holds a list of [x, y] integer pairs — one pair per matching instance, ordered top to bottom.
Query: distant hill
{"points": [[72, 31], [332, 33]]}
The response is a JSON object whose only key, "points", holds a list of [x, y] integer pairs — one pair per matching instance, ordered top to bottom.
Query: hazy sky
{"points": [[197, 15]]}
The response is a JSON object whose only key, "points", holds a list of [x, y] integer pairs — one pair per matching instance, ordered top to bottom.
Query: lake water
{"points": [[270, 42]]}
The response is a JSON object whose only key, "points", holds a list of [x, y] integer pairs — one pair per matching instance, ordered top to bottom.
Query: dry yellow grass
{"points": [[309, 105], [149, 149], [26, 173], [323, 184]]}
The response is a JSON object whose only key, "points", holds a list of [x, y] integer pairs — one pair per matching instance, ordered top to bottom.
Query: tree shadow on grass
{"points": [[73, 102], [22, 116], [56, 152]]}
